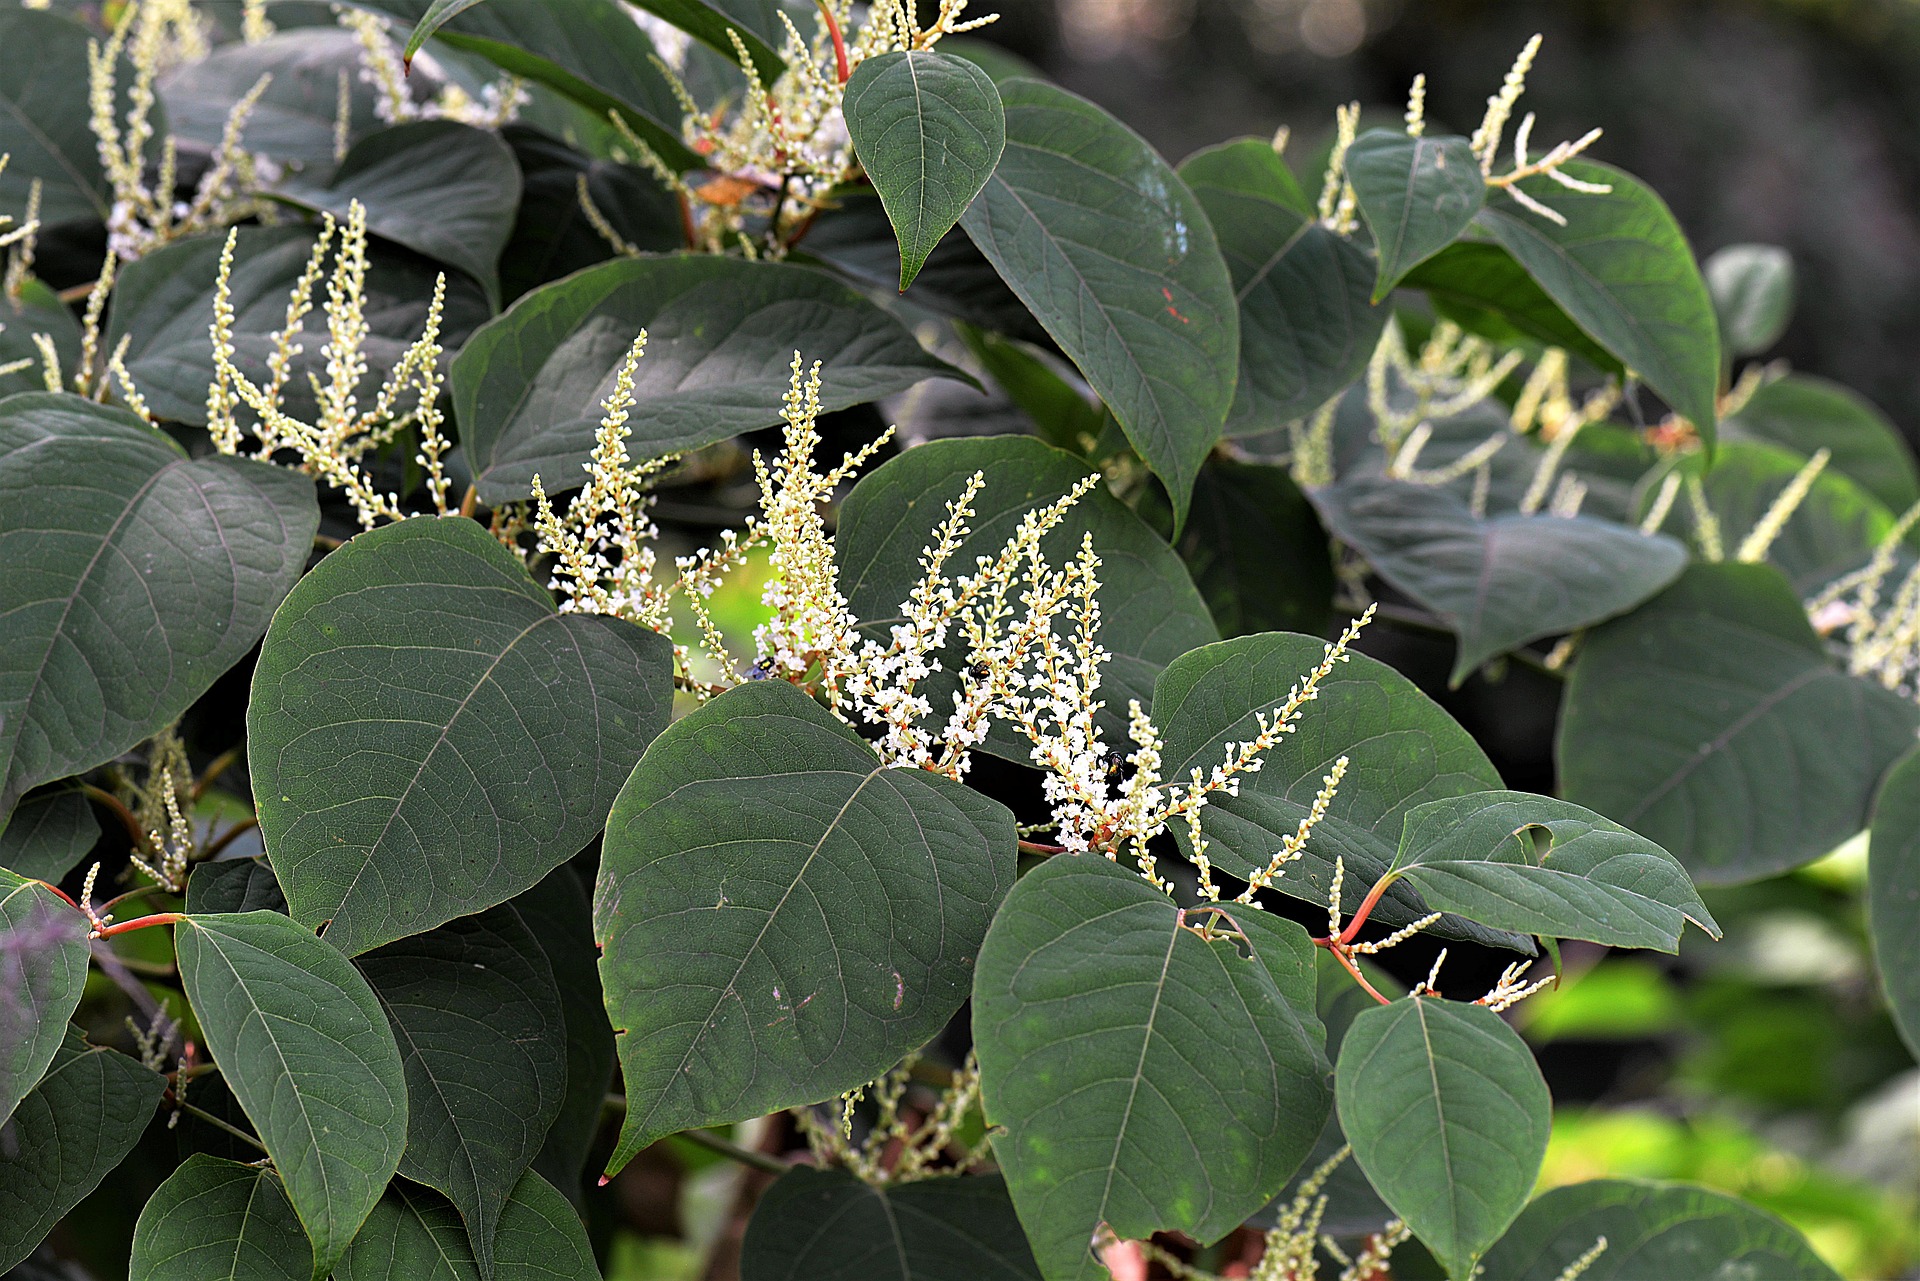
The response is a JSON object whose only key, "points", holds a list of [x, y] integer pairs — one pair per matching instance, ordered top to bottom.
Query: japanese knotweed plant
{"points": [[541, 717]]}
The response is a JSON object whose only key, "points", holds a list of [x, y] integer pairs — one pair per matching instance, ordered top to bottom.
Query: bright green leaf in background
{"points": [[928, 129], [1417, 195], [1114, 256], [1752, 288], [405, 776], [782, 916], [1090, 985], [216, 1218], [827, 1225]]}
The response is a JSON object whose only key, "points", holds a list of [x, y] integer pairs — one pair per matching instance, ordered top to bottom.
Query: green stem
{"points": [[201, 1114], [733, 1151]]}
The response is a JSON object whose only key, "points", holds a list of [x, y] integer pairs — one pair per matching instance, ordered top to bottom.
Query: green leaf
{"points": [[438, 15], [590, 51], [44, 120], [294, 120], [928, 129], [445, 190], [1417, 195], [552, 235], [1114, 256], [1622, 270], [1752, 288], [1486, 291], [37, 309], [163, 309], [1307, 325], [528, 388], [1062, 413], [1805, 414], [1256, 550], [131, 577], [1498, 582], [1150, 611], [1712, 721], [1402, 748], [407, 777], [48, 836], [1482, 856], [234, 885], [1893, 893], [781, 916], [43, 966], [1091, 986], [301, 1041], [483, 1041], [1448, 1116], [79, 1122], [215, 1218], [826, 1225], [1651, 1230], [414, 1235]]}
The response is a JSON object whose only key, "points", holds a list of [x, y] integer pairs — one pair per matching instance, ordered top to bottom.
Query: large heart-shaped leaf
{"points": [[295, 118], [44, 120], [928, 129], [442, 189], [1417, 195], [1114, 256], [1621, 268], [1752, 288], [163, 310], [1307, 323], [721, 334], [1802, 413], [1256, 550], [131, 577], [1498, 582], [1150, 610], [1712, 721], [1402, 750], [405, 778], [48, 836], [1480, 855], [1893, 893], [781, 916], [43, 966], [1091, 982], [477, 1017], [301, 1041], [1448, 1115], [79, 1122], [215, 1218], [826, 1225], [1651, 1230], [414, 1235]]}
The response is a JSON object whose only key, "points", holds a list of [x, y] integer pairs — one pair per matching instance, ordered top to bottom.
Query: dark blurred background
{"points": [[1793, 122]]}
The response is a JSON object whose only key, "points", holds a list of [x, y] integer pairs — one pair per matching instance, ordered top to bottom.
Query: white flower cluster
{"points": [[499, 102], [1486, 144], [1880, 634]]}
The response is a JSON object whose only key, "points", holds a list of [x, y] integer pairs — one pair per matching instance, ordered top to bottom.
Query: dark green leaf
{"points": [[438, 15], [44, 123], [293, 123], [928, 129], [442, 189], [1417, 195], [552, 236], [1112, 253], [1622, 270], [1752, 288], [1483, 289], [163, 307], [36, 310], [1307, 326], [527, 389], [1062, 413], [1804, 414], [1257, 551], [130, 578], [1498, 582], [1150, 611], [1712, 721], [1402, 749], [406, 777], [48, 836], [1479, 855], [234, 885], [1893, 893], [781, 916], [43, 966], [1091, 985], [477, 1017], [301, 1040], [1448, 1115], [77, 1124], [215, 1218], [826, 1225], [1651, 1230], [414, 1235]]}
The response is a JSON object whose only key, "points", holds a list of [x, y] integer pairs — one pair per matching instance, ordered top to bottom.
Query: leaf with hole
{"points": [[1417, 195], [408, 777], [781, 915], [1090, 983], [301, 1040], [1448, 1116], [215, 1218], [826, 1225]]}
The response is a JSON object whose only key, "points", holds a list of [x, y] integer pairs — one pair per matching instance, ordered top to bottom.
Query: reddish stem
{"points": [[839, 41], [227, 838], [1035, 847], [1366, 907], [139, 923], [1340, 955]]}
